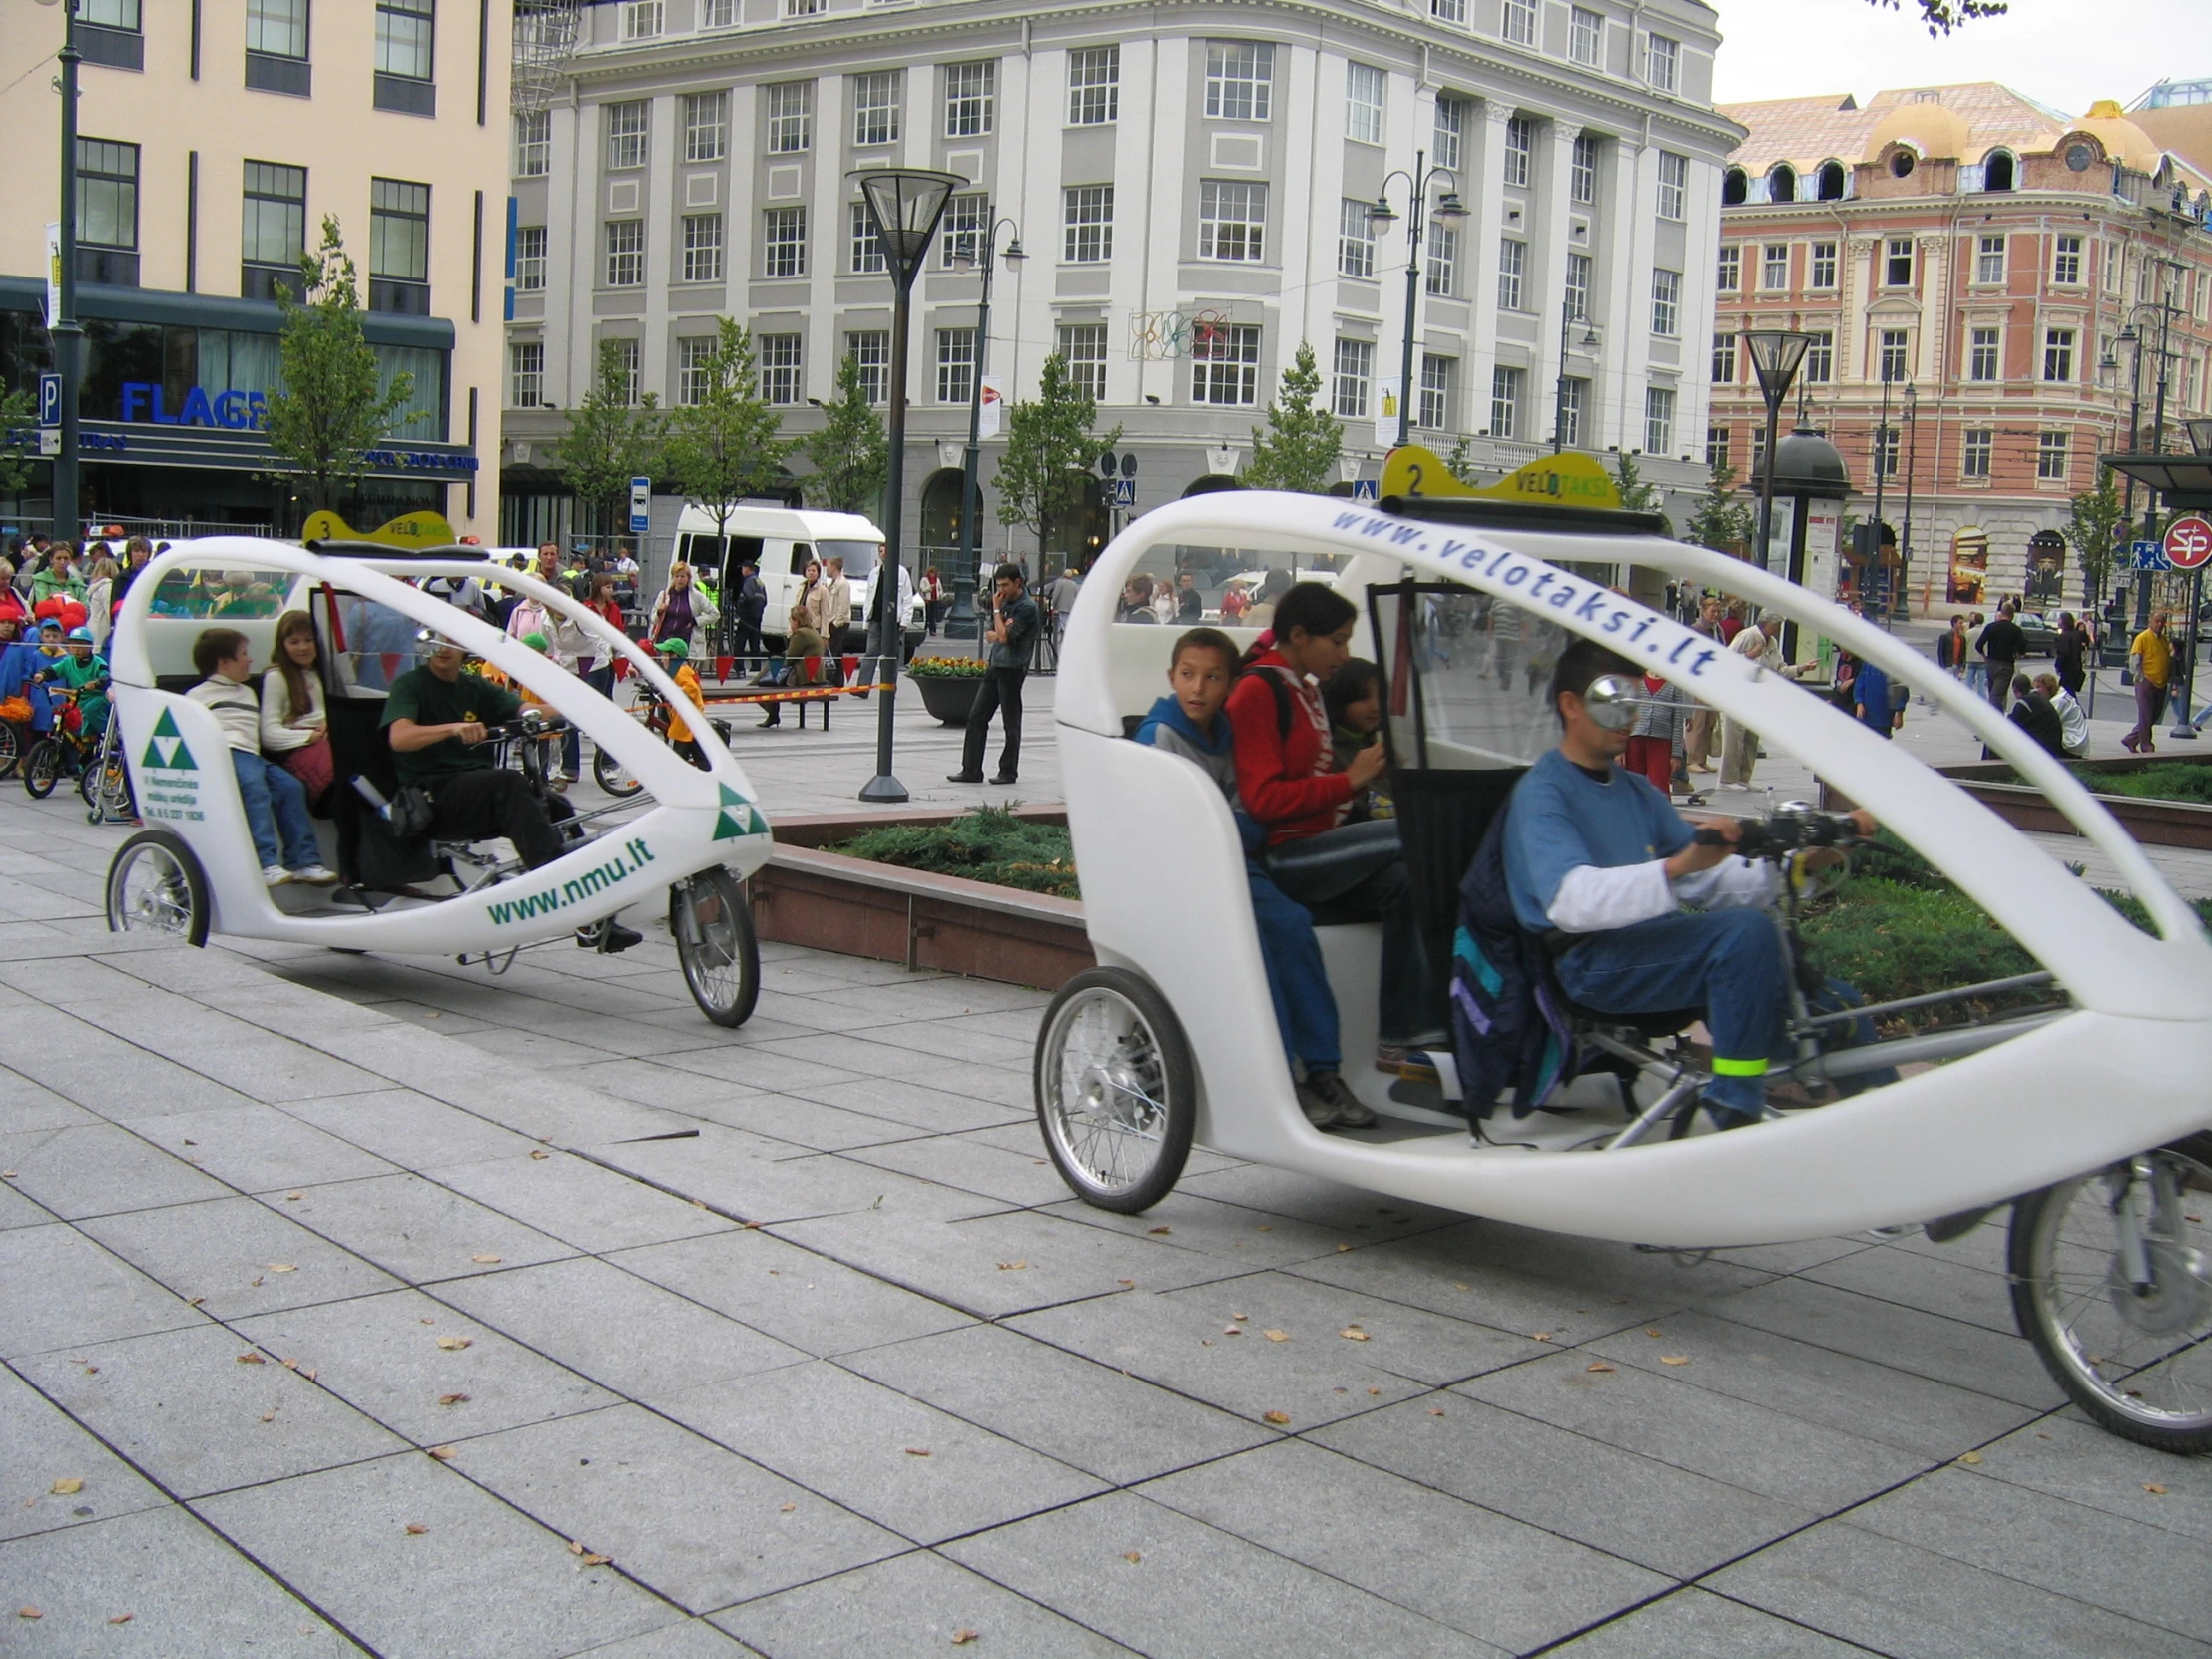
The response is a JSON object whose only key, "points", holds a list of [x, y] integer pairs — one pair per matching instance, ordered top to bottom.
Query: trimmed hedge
{"points": [[990, 844]]}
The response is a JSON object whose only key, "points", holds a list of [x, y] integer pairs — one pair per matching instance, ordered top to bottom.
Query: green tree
{"points": [[1943, 16], [17, 408], [328, 411], [610, 440], [725, 444], [1049, 446], [1299, 450], [852, 456], [1462, 465], [1636, 495], [2097, 514], [1722, 521]]}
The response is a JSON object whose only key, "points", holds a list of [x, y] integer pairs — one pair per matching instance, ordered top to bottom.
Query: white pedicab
{"points": [[694, 835], [2087, 1108]]}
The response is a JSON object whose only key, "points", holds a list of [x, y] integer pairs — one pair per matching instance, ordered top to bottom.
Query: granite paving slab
{"points": [[416, 1228], [237, 1256], [60, 1288], [46, 1450]]}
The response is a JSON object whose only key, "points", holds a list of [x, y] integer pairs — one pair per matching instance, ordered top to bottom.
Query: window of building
{"points": [[804, 8], [1448, 11], [718, 14], [642, 19], [1521, 22], [109, 33], [1585, 36], [406, 38], [275, 46], [1665, 61], [1240, 77], [1094, 86], [1364, 89], [971, 98], [875, 102], [791, 116], [705, 126], [626, 133], [1448, 137], [534, 144], [1521, 144], [1582, 171], [1674, 184], [107, 210], [1232, 218], [968, 219], [1090, 224], [273, 227], [1354, 239], [783, 243], [399, 247], [702, 247], [867, 247], [625, 252], [529, 259], [1988, 264], [2065, 264], [1823, 265], [1897, 265], [1579, 267], [1774, 267], [1443, 273], [1512, 274], [1729, 275], [1666, 303], [1083, 347], [870, 352], [692, 353], [2058, 354], [1982, 356], [1820, 358], [1724, 359], [1895, 359], [955, 364], [1225, 364], [525, 375], [628, 376], [1437, 378], [1355, 379], [782, 382], [1509, 386], [1574, 398], [1658, 421], [1887, 441], [1716, 447], [1981, 447], [1758, 452], [2052, 456]]}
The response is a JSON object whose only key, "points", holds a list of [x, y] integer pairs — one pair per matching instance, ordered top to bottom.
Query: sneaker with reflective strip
{"points": [[1412, 1064]]}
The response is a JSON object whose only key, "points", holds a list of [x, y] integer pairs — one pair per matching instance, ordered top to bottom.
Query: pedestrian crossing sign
{"points": [[165, 749]]}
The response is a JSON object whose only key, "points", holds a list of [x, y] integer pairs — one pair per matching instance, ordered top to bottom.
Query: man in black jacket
{"points": [[1011, 636], [2003, 645]]}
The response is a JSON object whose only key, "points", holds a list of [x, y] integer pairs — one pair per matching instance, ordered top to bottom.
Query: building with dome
{"points": [[1999, 276]]}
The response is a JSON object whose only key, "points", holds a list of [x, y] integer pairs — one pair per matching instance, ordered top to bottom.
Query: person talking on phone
{"points": [[1639, 913]]}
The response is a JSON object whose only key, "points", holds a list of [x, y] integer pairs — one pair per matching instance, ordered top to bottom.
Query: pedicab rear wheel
{"points": [[156, 886], [711, 920], [1117, 1094], [2136, 1357]]}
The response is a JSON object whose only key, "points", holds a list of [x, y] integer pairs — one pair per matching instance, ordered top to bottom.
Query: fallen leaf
{"points": [[191, 1143], [541, 1152], [7, 1174], [290, 1197], [699, 1204], [752, 1226], [1265, 1227], [1162, 1229], [1343, 1247], [488, 1258], [1011, 1266], [283, 1267], [258, 1279], [1126, 1284], [1462, 1287], [193, 1302], [1240, 1317], [1232, 1331], [1651, 1331], [1352, 1334], [1277, 1336], [1541, 1336], [455, 1342], [1674, 1358], [251, 1359], [290, 1365], [1601, 1366], [310, 1374], [1374, 1390], [453, 1400], [1436, 1411], [1276, 1417], [918, 1451], [444, 1453], [1971, 1457], [2153, 1487], [66, 1488], [787, 1508], [415, 1530], [575, 1548], [1132, 1556], [597, 1560], [34, 1613], [122, 1618], [962, 1638]]}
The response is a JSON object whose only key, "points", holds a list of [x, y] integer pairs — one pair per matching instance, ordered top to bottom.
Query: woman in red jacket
{"points": [[1284, 756]]}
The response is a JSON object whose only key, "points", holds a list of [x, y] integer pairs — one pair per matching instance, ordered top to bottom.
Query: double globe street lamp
{"points": [[907, 204], [1451, 212], [971, 253]]}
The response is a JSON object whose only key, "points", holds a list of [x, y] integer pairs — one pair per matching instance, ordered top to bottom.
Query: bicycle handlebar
{"points": [[1789, 830]]}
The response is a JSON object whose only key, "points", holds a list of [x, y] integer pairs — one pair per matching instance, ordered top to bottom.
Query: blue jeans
{"points": [[276, 803], [1730, 963], [1298, 984]]}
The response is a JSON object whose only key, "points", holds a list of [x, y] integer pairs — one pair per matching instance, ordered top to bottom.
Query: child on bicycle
{"points": [[675, 657], [85, 671], [276, 802]]}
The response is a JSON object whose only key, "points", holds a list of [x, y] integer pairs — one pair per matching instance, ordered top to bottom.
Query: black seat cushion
{"points": [[1649, 1027]]}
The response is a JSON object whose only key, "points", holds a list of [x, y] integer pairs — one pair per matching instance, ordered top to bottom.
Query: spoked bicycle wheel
{"points": [[11, 748], [42, 767], [612, 775], [156, 886], [711, 920], [1117, 1094], [2130, 1341]]}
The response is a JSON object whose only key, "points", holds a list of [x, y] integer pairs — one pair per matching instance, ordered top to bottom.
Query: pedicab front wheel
{"points": [[156, 886], [711, 922], [1117, 1094], [2112, 1283]]}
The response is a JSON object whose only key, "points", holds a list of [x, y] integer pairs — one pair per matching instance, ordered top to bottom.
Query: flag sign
{"points": [[992, 410], [2189, 543]]}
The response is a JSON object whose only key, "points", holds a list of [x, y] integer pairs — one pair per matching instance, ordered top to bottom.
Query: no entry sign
{"points": [[2189, 543]]}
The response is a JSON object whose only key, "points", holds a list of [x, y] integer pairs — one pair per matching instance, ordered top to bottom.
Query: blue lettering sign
{"points": [[228, 410]]}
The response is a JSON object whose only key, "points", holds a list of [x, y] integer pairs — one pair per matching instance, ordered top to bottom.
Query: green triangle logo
{"points": [[165, 727], [153, 754], [176, 757], [181, 758], [738, 817]]}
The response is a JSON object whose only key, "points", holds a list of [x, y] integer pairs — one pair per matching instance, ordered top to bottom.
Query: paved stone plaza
{"points": [[358, 1303]]}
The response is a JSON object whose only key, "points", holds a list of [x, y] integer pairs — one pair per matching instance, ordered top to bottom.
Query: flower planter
{"points": [[947, 697]]}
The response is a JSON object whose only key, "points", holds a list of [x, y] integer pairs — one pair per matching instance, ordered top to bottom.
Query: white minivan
{"points": [[780, 541]]}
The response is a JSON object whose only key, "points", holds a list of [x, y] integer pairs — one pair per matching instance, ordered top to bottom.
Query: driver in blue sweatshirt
{"points": [[1190, 722]]}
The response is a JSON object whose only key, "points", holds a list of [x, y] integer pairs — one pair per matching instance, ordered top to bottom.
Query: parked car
{"points": [[2042, 634]]}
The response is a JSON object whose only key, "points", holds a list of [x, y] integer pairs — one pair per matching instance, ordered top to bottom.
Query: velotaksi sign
{"points": [[234, 411]]}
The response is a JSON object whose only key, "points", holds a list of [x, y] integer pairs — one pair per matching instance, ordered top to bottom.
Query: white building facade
{"points": [[1191, 186]]}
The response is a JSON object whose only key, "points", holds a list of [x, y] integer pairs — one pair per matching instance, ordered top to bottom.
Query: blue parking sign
{"points": [[49, 400]]}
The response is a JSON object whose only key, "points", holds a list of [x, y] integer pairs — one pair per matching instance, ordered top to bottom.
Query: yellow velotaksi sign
{"points": [[1566, 480], [409, 530]]}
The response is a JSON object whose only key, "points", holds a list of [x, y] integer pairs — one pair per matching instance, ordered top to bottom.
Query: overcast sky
{"points": [[2063, 53]]}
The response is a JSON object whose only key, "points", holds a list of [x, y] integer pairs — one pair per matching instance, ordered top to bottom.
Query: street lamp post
{"points": [[905, 204], [1451, 212], [1570, 312], [63, 330], [2132, 335], [1775, 356], [1911, 455], [1881, 456], [961, 622]]}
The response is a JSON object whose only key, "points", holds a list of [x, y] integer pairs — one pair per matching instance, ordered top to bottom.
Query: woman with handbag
{"points": [[296, 731]]}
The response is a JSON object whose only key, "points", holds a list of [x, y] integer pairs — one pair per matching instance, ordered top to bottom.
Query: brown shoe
{"points": [[1348, 1111]]}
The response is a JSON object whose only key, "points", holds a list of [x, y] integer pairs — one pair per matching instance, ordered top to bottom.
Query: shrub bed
{"points": [[990, 844]]}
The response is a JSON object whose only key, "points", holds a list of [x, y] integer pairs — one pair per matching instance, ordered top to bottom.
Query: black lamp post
{"points": [[905, 204], [1449, 212], [1570, 312], [63, 330], [1775, 356], [1905, 541], [967, 577]]}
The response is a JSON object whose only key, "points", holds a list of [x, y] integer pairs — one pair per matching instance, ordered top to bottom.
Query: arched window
{"points": [[1902, 162], [1999, 171], [1831, 181], [1782, 183], [1735, 188]]}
